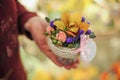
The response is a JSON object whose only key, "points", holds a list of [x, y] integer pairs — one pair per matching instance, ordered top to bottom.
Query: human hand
{"points": [[37, 26]]}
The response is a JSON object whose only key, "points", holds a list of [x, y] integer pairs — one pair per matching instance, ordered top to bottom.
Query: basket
{"points": [[62, 52]]}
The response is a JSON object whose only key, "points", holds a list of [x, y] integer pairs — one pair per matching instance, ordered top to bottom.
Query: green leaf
{"points": [[47, 19], [57, 19], [65, 29], [57, 30], [46, 33], [53, 33], [92, 35], [52, 36], [54, 41], [60, 43], [65, 45], [76, 45], [70, 46]]}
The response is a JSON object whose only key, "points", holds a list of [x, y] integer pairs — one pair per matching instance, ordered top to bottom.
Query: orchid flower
{"points": [[72, 22]]}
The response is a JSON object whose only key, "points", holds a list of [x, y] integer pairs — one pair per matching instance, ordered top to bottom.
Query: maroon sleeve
{"points": [[23, 16]]}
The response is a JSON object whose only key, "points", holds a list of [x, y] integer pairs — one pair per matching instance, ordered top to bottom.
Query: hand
{"points": [[36, 26]]}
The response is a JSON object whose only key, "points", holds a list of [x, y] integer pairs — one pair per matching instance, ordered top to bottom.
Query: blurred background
{"points": [[104, 16]]}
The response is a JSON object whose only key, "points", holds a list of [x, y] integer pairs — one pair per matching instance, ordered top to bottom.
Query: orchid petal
{"points": [[75, 17], [65, 18], [59, 25], [84, 26], [74, 29]]}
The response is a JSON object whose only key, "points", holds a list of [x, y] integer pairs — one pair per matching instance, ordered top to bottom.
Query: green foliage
{"points": [[47, 19], [46, 33], [92, 35]]}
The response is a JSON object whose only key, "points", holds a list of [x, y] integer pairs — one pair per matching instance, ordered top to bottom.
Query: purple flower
{"points": [[83, 19], [88, 23], [52, 25], [81, 31], [88, 32], [74, 39], [69, 40]]}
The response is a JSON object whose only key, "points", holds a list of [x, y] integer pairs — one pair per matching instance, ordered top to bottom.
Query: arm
{"points": [[23, 16], [30, 23], [36, 26]]}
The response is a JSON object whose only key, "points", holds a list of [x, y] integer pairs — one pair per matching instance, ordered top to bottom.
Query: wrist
{"points": [[31, 22], [35, 22]]}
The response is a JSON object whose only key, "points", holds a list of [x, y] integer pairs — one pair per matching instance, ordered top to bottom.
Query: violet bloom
{"points": [[83, 19], [88, 23], [52, 25], [81, 31], [88, 32], [74, 39], [69, 40]]}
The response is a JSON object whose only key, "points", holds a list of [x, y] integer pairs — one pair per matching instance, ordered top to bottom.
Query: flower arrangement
{"points": [[70, 35]]}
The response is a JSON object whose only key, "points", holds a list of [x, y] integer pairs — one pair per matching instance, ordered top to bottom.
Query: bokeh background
{"points": [[104, 16]]}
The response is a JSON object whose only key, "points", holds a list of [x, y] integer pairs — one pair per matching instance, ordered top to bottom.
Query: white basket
{"points": [[62, 52]]}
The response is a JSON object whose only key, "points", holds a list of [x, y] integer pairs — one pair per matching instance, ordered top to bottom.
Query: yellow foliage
{"points": [[80, 74], [42, 75]]}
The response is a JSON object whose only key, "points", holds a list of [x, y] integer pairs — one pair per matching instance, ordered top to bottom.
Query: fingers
{"points": [[52, 57], [77, 61], [61, 62], [57, 63], [70, 65], [74, 66], [67, 67]]}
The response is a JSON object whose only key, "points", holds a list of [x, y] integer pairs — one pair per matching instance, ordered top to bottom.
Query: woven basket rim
{"points": [[62, 51]]}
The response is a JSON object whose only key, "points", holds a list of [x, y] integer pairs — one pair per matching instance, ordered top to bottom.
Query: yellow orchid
{"points": [[65, 18], [75, 18], [71, 22], [60, 25], [84, 26]]}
